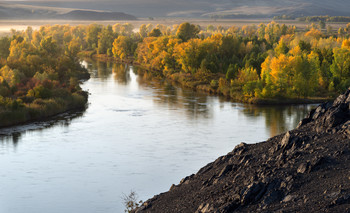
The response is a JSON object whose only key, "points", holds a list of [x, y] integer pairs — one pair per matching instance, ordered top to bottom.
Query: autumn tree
{"points": [[143, 31], [155, 33], [122, 47]]}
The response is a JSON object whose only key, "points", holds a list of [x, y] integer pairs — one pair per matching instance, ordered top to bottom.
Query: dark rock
{"points": [[303, 122], [288, 141], [239, 149], [319, 162], [206, 168], [303, 168], [225, 170], [186, 180], [172, 187], [253, 193], [272, 196], [341, 200], [232, 205], [204, 208]]}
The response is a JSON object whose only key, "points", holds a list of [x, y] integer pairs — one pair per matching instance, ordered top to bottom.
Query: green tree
{"points": [[322, 24], [210, 28], [329, 29], [187, 31], [29, 33], [155, 33], [92, 35], [105, 39], [5, 43], [49, 46], [340, 68], [231, 71]]}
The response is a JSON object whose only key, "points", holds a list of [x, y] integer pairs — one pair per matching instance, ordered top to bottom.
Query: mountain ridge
{"points": [[208, 8], [20, 11]]}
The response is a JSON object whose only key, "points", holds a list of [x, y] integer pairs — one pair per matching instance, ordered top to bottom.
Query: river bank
{"points": [[188, 81], [42, 109], [133, 132], [303, 170]]}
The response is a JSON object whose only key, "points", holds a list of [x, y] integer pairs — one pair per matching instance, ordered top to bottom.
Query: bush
{"points": [[214, 84], [249, 88], [40, 92]]}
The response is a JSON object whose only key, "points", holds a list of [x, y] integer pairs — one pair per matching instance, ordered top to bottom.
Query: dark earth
{"points": [[304, 170]]}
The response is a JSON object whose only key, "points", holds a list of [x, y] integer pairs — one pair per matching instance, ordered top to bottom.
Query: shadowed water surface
{"points": [[137, 134]]}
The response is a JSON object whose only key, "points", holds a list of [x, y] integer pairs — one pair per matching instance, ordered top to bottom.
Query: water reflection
{"points": [[98, 69], [121, 73], [174, 97], [197, 105], [279, 119]]}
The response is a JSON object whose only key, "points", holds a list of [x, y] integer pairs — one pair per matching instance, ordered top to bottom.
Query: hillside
{"points": [[208, 8], [20, 11], [303, 170]]}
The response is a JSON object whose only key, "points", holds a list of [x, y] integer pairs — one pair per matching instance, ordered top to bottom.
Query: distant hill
{"points": [[205, 8], [20, 11], [95, 15]]}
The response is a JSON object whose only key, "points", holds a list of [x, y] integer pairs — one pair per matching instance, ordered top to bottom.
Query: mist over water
{"points": [[137, 134]]}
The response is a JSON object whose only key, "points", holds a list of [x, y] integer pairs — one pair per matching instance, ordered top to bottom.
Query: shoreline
{"points": [[206, 87], [24, 115], [45, 118]]}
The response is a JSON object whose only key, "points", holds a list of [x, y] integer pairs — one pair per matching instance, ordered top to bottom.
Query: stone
{"points": [[288, 141], [302, 168], [225, 170], [172, 187], [253, 192], [272, 196], [288, 198], [341, 200], [204, 208]]}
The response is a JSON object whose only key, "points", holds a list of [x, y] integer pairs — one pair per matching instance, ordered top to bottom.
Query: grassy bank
{"points": [[42, 109]]}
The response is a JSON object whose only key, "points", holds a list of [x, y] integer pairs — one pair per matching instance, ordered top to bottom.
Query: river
{"points": [[137, 134]]}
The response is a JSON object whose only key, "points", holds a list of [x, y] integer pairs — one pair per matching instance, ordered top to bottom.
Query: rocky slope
{"points": [[304, 170]]}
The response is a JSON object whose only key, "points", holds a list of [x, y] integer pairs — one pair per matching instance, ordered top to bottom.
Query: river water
{"points": [[137, 134]]}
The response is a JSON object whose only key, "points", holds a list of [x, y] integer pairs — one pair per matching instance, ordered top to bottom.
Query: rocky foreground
{"points": [[304, 170]]}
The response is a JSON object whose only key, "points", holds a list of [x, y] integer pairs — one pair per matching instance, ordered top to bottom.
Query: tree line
{"points": [[268, 61], [253, 62]]}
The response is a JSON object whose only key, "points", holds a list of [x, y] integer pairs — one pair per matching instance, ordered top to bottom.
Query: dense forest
{"points": [[334, 19], [252, 63], [40, 70], [39, 77]]}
